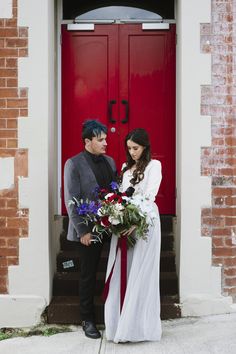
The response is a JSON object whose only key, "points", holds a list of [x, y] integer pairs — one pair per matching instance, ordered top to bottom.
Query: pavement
{"points": [[210, 334]]}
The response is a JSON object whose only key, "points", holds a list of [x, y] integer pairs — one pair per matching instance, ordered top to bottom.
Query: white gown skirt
{"points": [[140, 316]]}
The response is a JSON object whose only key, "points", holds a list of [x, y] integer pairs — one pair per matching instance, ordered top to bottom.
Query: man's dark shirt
{"points": [[101, 169]]}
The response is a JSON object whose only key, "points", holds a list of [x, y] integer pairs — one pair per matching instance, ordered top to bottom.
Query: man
{"points": [[83, 173]]}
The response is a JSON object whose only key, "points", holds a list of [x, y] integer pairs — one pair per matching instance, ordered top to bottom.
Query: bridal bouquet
{"points": [[114, 212]]}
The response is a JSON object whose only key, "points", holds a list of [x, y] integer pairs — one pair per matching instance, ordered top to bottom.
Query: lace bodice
{"points": [[150, 184]]}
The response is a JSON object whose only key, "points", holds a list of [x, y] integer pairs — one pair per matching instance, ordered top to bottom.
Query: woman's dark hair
{"points": [[92, 128], [140, 137]]}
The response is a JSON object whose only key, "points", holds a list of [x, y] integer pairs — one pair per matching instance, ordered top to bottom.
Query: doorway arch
{"points": [[72, 9]]}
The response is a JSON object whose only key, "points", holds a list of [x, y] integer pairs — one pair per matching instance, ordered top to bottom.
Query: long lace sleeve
{"points": [[154, 177]]}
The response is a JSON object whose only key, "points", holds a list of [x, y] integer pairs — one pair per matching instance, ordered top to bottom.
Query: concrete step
{"points": [[68, 261], [68, 283], [65, 309]]}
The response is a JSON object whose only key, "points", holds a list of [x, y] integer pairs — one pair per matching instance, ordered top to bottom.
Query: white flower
{"points": [[118, 208], [113, 220]]}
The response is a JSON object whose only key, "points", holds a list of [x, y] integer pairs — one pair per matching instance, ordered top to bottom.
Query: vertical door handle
{"points": [[126, 103], [110, 105]]}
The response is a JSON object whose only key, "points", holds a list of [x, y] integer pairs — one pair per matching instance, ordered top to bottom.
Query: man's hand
{"points": [[86, 239]]}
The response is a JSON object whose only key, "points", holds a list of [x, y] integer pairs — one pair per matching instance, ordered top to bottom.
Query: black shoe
{"points": [[90, 329]]}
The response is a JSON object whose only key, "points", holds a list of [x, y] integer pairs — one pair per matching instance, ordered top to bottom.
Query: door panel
{"points": [[128, 66], [147, 81], [89, 82]]}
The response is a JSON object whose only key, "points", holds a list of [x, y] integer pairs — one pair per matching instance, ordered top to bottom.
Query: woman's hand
{"points": [[129, 231]]}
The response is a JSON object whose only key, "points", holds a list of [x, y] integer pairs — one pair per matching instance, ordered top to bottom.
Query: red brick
{"points": [[11, 22], [8, 32], [23, 32], [16, 42], [6, 52], [23, 52], [2, 62], [11, 63], [8, 73], [3, 82], [12, 82], [8, 92], [23, 92], [3, 103], [15, 103], [23, 112], [9, 113], [3, 123], [11, 123], [8, 133], [231, 141], [12, 143], [3, 144], [6, 153], [223, 191], [218, 201], [230, 201], [12, 203], [224, 211], [206, 212], [8, 213], [215, 221], [230, 221], [17, 223], [206, 231], [7, 232], [221, 232], [2, 242], [13, 242], [217, 242], [5, 251], [224, 252], [12, 261], [3, 263], [230, 271], [3, 272], [230, 281], [3, 287]]}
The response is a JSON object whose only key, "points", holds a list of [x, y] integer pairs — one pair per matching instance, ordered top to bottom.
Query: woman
{"points": [[139, 319]]}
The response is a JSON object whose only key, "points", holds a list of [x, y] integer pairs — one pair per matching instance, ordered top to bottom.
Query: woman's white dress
{"points": [[140, 316]]}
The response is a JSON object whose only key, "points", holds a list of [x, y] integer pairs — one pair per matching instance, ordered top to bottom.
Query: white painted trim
{"points": [[6, 9], [155, 26], [80, 27], [59, 102], [7, 172], [199, 282], [29, 283], [21, 310]]}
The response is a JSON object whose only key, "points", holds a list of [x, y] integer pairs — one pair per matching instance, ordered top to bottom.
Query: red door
{"points": [[125, 77]]}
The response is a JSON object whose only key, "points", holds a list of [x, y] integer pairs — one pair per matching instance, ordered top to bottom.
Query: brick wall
{"points": [[13, 104], [219, 160]]}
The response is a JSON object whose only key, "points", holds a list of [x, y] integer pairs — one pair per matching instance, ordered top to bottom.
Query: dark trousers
{"points": [[89, 257]]}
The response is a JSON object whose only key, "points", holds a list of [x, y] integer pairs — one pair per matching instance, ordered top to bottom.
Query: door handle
{"points": [[126, 103], [110, 105]]}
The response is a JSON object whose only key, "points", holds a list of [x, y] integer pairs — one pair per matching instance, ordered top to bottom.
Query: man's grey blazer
{"points": [[79, 182]]}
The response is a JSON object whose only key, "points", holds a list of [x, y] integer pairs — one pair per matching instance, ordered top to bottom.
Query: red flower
{"points": [[115, 197], [104, 221]]}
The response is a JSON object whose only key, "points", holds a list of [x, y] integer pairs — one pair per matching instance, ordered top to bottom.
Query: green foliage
{"points": [[6, 333]]}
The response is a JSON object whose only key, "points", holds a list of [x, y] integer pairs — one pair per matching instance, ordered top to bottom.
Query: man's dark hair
{"points": [[92, 128]]}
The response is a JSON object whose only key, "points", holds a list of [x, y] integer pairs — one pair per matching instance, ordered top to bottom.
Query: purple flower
{"points": [[114, 186]]}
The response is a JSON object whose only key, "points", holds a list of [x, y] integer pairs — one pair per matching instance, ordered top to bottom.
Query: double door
{"points": [[125, 77]]}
